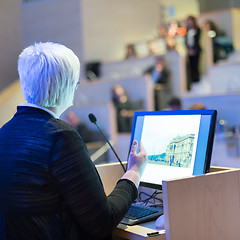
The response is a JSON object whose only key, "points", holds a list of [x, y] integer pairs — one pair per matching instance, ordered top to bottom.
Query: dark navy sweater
{"points": [[49, 187]]}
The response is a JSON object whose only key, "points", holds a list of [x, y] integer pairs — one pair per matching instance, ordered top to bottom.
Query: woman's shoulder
{"points": [[57, 125], [59, 128]]}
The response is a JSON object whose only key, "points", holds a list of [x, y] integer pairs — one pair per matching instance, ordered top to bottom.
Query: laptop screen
{"points": [[178, 143]]}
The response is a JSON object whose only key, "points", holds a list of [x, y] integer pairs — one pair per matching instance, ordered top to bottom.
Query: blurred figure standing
{"points": [[193, 49], [159, 74]]}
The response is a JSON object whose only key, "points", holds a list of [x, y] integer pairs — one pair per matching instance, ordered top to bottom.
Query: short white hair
{"points": [[49, 73]]}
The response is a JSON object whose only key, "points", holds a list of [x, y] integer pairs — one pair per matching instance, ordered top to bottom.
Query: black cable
{"points": [[150, 198]]}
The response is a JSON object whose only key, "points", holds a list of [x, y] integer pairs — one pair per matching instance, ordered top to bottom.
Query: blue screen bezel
{"points": [[204, 143]]}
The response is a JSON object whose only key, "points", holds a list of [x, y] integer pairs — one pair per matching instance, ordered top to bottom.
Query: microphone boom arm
{"points": [[124, 169]]}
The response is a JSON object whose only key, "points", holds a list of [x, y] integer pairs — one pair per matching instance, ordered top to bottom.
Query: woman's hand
{"points": [[136, 163]]}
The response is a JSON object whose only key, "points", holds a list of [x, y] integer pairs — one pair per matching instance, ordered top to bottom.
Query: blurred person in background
{"points": [[162, 31], [192, 41], [221, 45], [153, 51], [130, 52], [159, 74], [175, 104], [197, 106], [124, 108], [81, 128]]}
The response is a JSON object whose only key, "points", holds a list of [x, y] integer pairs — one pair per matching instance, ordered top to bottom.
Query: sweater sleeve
{"points": [[82, 190]]}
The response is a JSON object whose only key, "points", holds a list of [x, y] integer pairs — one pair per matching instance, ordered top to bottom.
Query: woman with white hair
{"points": [[49, 187]]}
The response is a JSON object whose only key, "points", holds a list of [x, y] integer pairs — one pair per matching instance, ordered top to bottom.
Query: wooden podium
{"points": [[204, 207]]}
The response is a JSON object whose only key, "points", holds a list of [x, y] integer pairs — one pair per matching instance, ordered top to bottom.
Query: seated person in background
{"points": [[173, 29], [162, 31], [171, 35], [171, 43], [152, 48], [130, 52], [175, 104], [197, 106], [124, 109], [81, 128], [50, 188]]}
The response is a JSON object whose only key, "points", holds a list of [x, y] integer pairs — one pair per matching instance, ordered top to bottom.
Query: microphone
{"points": [[93, 119]]}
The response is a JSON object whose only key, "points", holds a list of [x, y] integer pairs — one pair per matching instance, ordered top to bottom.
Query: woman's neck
{"points": [[57, 110]]}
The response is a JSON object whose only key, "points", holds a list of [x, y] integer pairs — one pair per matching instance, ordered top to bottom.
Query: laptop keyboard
{"points": [[139, 213]]}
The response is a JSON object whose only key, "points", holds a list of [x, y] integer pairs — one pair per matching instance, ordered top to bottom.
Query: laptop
{"points": [[178, 144]]}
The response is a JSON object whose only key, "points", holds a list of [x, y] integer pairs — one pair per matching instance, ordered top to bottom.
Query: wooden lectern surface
{"points": [[203, 207]]}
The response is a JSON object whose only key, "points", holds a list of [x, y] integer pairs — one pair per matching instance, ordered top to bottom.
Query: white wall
{"points": [[182, 9], [57, 20], [110, 25], [10, 40]]}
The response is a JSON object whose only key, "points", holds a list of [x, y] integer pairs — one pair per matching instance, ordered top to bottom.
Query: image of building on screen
{"points": [[178, 152]]}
